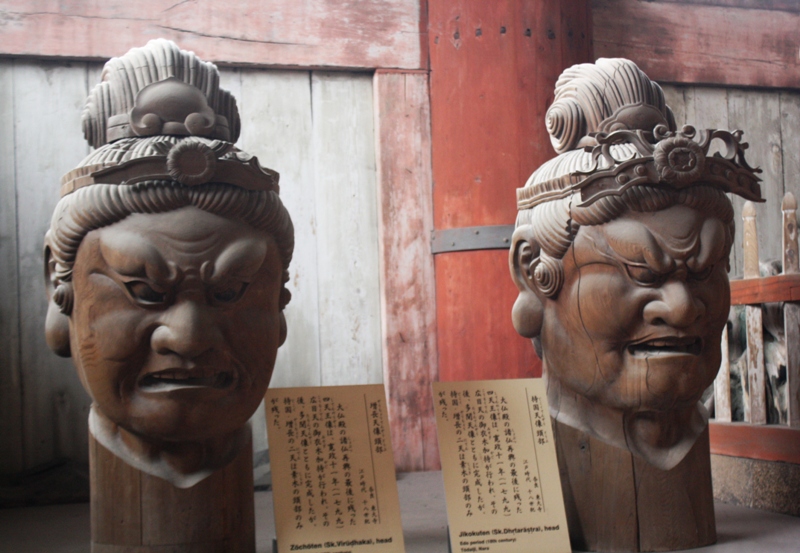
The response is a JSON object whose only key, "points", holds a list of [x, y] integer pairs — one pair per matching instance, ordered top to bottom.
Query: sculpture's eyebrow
{"points": [[637, 245], [710, 247], [130, 255], [240, 260]]}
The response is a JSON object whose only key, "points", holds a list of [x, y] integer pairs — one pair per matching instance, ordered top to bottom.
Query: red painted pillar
{"points": [[493, 67]]}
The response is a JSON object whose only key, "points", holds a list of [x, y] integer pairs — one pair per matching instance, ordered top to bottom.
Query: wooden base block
{"points": [[618, 502], [134, 512]]}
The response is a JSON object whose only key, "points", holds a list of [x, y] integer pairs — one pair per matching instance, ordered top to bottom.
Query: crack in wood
{"points": [[236, 39]]}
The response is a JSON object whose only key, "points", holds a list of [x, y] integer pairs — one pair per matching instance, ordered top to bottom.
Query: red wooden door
{"points": [[493, 69]]}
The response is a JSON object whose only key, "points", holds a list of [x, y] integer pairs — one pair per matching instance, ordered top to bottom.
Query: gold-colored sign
{"points": [[499, 465], [333, 475]]}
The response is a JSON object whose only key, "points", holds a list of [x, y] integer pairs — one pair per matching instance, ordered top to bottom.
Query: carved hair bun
{"points": [[590, 98], [111, 110], [566, 124]]}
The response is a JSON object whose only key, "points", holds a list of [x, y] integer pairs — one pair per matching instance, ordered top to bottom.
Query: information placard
{"points": [[499, 465], [335, 489]]}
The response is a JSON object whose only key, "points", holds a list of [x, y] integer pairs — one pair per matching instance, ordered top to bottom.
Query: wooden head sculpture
{"points": [[620, 254], [166, 260]]}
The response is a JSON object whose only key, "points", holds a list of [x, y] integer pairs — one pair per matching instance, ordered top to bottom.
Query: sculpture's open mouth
{"points": [[689, 345], [176, 379]]}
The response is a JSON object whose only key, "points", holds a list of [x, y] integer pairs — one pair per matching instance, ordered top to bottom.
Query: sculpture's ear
{"points": [[528, 310], [56, 326], [284, 331]]}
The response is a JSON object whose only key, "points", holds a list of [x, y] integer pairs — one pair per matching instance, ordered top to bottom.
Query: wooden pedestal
{"points": [[618, 502], [133, 512]]}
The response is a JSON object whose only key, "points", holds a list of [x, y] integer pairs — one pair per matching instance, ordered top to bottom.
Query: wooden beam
{"points": [[784, 5], [276, 33], [706, 44], [750, 291], [408, 292], [766, 442]]}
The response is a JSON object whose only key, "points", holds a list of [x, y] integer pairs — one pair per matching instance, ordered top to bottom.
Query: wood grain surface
{"points": [[317, 33], [701, 44], [493, 71], [47, 96], [277, 127], [347, 229], [764, 290], [408, 291], [722, 383], [767, 442], [11, 456], [618, 502], [134, 512]]}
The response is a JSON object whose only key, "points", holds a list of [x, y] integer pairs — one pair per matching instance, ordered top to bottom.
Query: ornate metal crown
{"points": [[662, 158]]}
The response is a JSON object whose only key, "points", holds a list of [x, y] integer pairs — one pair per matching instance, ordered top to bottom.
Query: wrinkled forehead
{"points": [[657, 239], [148, 242]]}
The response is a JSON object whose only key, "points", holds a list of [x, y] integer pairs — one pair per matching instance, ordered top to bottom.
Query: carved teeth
{"points": [[666, 346], [183, 378]]}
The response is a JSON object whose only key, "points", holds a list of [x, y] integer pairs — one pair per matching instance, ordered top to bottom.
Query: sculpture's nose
{"points": [[675, 305], [188, 329]]}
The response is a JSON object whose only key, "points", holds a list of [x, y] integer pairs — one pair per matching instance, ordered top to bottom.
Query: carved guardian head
{"points": [[620, 255], [167, 259]]}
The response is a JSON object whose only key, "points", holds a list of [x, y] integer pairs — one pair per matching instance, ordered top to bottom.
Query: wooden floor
{"points": [[65, 528]]}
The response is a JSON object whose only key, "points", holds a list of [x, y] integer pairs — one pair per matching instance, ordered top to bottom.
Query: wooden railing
{"points": [[780, 440]]}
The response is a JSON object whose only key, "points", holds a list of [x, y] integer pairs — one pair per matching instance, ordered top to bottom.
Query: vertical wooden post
{"points": [[493, 70], [408, 289], [791, 311], [722, 384], [755, 408], [618, 502], [134, 512]]}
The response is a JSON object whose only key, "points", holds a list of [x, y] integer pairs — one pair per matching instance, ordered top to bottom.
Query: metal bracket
{"points": [[496, 237]]}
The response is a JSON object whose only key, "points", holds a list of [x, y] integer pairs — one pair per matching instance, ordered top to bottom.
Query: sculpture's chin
{"points": [[660, 437], [664, 439], [181, 463]]}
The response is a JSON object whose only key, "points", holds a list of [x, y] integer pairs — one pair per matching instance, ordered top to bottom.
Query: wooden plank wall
{"points": [[312, 33], [724, 42], [771, 124], [315, 128], [10, 371], [44, 407]]}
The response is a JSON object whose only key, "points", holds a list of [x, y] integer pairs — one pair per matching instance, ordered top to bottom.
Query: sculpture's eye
{"points": [[643, 275], [702, 275], [144, 293], [228, 293]]}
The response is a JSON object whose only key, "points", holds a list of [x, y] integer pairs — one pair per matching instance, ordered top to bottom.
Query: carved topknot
{"points": [[159, 89], [605, 96], [613, 131]]}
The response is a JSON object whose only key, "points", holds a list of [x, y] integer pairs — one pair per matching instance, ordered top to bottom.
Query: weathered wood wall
{"points": [[276, 33], [724, 42], [731, 42], [493, 69], [771, 124], [312, 127], [315, 128], [408, 293], [44, 407]]}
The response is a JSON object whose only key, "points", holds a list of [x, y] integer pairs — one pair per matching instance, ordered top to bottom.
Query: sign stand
{"points": [[499, 465], [334, 485]]}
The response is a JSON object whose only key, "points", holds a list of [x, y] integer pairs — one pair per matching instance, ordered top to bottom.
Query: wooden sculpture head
{"points": [[620, 256], [167, 258]]}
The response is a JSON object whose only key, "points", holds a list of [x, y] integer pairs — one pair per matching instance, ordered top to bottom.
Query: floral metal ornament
{"points": [[674, 159]]}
